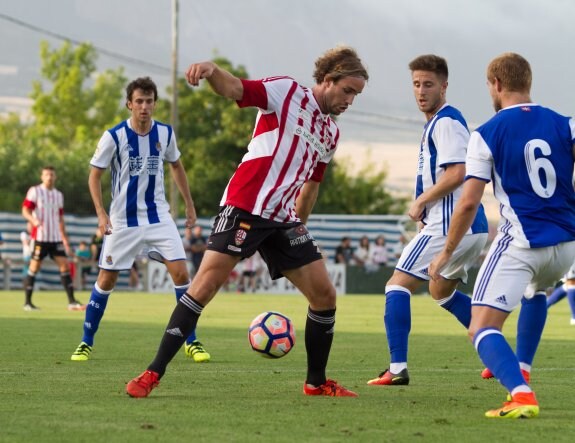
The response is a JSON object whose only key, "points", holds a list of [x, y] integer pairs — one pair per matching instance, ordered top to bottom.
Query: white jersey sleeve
{"points": [[452, 137], [105, 151], [172, 151], [479, 162]]}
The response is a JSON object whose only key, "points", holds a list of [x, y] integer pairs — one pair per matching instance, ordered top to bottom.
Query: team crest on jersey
{"points": [[158, 146], [240, 237], [109, 260]]}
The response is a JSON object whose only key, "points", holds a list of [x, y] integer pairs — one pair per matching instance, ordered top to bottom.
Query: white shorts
{"points": [[121, 247], [420, 251], [509, 273], [570, 273]]}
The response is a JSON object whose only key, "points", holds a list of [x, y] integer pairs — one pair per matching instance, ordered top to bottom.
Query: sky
{"points": [[272, 37]]}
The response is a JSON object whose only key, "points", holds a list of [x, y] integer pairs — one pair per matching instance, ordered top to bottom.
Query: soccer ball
{"points": [[271, 334]]}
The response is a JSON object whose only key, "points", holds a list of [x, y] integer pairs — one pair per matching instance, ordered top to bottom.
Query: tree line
{"points": [[73, 106]]}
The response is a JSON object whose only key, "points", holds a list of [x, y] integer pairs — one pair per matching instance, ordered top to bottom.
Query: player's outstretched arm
{"points": [[221, 81]]}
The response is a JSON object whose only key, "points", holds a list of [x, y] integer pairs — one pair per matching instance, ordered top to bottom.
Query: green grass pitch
{"points": [[241, 397]]}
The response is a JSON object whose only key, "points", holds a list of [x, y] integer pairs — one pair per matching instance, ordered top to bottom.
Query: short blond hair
{"points": [[513, 72]]}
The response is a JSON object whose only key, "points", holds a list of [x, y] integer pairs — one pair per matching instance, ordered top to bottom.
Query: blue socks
{"points": [[181, 290], [557, 295], [571, 299], [459, 304], [94, 313], [397, 320], [530, 326], [497, 355]]}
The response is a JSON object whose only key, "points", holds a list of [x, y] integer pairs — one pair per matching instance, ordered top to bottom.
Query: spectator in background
{"points": [[96, 245], [195, 247], [398, 249], [344, 252], [361, 254], [378, 254], [83, 258], [252, 268]]}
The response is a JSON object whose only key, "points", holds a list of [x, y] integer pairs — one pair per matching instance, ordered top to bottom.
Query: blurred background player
{"points": [[136, 150], [529, 153], [441, 170], [268, 200], [43, 208], [252, 267], [566, 289]]}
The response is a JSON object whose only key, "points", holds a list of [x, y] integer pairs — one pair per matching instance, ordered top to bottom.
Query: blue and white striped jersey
{"points": [[444, 142], [527, 150], [137, 168]]}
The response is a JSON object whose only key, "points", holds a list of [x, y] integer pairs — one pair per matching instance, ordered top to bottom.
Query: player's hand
{"points": [[198, 71], [416, 210], [191, 217], [104, 224], [437, 264]]}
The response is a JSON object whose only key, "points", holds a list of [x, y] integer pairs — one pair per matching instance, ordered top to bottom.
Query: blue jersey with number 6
{"points": [[527, 150]]}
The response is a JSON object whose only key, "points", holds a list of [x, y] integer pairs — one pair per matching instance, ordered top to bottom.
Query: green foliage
{"points": [[73, 106], [69, 114], [213, 135], [364, 193]]}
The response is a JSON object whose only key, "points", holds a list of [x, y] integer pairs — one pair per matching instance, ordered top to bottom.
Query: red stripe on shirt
{"points": [[295, 140], [251, 174]]}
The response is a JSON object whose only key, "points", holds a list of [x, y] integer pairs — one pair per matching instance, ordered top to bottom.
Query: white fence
{"points": [[326, 229]]}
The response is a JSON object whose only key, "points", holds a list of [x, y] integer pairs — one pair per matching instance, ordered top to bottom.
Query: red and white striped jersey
{"points": [[292, 142], [47, 205]]}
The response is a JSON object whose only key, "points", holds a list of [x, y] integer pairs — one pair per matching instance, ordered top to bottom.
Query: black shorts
{"points": [[283, 246], [42, 249]]}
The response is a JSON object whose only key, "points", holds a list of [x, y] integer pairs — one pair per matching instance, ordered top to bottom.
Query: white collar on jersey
{"points": [[518, 105]]}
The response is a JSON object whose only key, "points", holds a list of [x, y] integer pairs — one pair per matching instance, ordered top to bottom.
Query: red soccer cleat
{"points": [[486, 374], [388, 378], [142, 385], [329, 388], [522, 405]]}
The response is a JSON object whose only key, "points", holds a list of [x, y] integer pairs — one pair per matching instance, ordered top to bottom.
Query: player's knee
{"points": [[181, 277], [324, 297]]}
